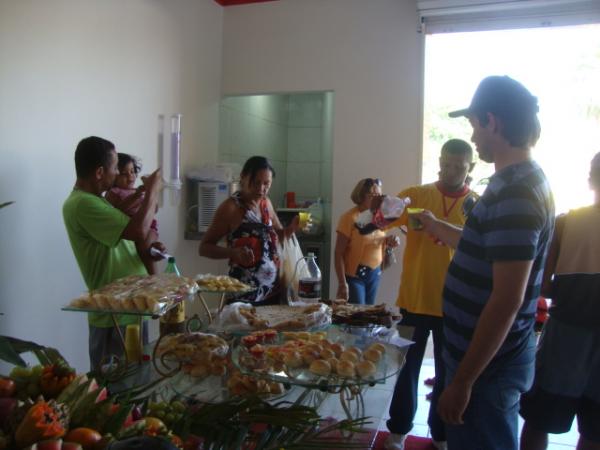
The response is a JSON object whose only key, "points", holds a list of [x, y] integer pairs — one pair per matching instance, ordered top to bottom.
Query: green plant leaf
{"points": [[2, 205], [11, 348], [8, 353]]}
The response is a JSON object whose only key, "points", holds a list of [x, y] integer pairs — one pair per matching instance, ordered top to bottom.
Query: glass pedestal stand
{"points": [[349, 390]]}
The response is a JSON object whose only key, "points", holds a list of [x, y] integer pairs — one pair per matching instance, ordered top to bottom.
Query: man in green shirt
{"points": [[103, 238]]}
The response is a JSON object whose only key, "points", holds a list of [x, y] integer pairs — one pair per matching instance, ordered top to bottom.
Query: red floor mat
{"points": [[411, 443]]}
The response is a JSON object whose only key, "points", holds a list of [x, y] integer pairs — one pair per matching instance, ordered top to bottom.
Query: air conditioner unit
{"points": [[210, 195]]}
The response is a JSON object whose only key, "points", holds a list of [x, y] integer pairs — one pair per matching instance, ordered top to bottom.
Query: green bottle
{"points": [[172, 267], [173, 321]]}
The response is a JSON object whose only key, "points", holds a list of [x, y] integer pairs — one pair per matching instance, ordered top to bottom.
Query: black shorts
{"points": [[567, 381], [552, 413]]}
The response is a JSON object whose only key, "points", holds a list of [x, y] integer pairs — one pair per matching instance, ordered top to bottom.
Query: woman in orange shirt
{"points": [[358, 257]]}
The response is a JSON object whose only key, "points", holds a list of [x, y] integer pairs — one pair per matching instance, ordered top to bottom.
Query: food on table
{"points": [[221, 283], [138, 293], [362, 315], [242, 316], [377, 346], [257, 351], [201, 353], [327, 353], [372, 355], [349, 356], [319, 357], [293, 359], [333, 362], [320, 367], [365, 368], [346, 369], [55, 378], [243, 385], [168, 412], [44, 420], [87, 437]]}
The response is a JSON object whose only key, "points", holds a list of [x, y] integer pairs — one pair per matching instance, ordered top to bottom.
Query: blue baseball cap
{"points": [[500, 95]]}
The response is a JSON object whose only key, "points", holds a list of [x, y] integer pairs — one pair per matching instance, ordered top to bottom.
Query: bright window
{"points": [[560, 65]]}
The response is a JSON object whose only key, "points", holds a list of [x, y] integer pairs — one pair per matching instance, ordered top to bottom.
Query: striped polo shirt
{"points": [[512, 221]]}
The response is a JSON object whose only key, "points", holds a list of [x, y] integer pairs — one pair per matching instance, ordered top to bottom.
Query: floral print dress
{"points": [[256, 233]]}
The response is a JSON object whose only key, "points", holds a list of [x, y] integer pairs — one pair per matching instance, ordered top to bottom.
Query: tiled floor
{"points": [[378, 398]]}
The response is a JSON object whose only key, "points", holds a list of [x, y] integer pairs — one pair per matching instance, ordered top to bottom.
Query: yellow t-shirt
{"points": [[362, 249], [425, 262]]}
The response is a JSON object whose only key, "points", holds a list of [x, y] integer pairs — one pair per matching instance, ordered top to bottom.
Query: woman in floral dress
{"points": [[251, 227]]}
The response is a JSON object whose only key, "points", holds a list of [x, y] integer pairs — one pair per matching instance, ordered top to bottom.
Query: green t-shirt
{"points": [[94, 227]]}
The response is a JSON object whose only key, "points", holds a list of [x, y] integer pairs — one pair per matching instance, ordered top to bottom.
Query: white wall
{"points": [[369, 53], [70, 69]]}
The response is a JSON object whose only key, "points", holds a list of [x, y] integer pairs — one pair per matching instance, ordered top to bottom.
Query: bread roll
{"points": [[140, 302], [129, 304], [304, 335], [379, 347], [316, 348], [338, 349], [355, 350], [327, 354], [372, 355], [309, 356], [349, 356], [293, 360], [333, 362], [320, 367], [346, 368], [365, 368]]}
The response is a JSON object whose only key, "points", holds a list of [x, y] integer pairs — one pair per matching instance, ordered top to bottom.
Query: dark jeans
{"points": [[362, 288], [404, 401], [491, 417]]}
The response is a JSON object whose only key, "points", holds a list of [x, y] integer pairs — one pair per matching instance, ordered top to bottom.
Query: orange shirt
{"points": [[362, 249]]}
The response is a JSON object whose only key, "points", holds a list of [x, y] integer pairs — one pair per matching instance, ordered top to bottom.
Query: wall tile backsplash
{"points": [[293, 131]]}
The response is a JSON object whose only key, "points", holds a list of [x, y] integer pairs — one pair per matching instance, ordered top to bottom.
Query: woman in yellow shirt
{"points": [[358, 257]]}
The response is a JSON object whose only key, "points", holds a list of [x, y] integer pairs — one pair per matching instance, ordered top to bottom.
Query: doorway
{"points": [[560, 65]]}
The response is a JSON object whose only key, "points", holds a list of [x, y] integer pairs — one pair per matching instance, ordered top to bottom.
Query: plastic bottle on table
{"points": [[309, 286], [173, 321]]}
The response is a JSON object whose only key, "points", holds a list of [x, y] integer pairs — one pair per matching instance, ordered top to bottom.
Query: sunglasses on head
{"points": [[372, 182]]}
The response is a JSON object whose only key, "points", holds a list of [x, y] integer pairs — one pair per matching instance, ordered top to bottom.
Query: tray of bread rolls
{"points": [[136, 294], [322, 359]]}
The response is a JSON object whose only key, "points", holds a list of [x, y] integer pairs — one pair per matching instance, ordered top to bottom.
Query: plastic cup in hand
{"points": [[304, 219], [413, 222]]}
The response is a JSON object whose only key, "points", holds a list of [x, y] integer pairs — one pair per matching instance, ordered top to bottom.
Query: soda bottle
{"points": [[309, 286], [173, 321]]}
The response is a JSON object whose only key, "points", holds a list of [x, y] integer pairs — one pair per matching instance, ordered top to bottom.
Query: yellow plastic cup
{"points": [[304, 219], [413, 222], [133, 344]]}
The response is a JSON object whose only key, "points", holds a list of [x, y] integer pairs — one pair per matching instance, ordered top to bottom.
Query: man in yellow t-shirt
{"points": [[424, 269]]}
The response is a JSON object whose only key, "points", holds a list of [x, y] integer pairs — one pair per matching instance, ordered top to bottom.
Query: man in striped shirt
{"points": [[494, 279]]}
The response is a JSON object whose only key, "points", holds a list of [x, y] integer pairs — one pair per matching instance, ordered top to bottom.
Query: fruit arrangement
{"points": [[48, 407], [169, 412]]}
